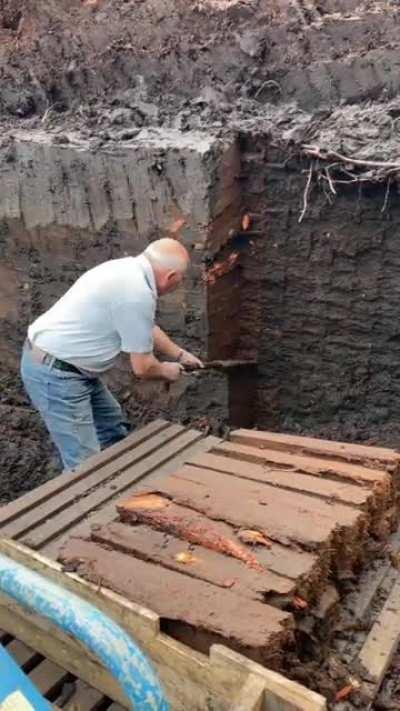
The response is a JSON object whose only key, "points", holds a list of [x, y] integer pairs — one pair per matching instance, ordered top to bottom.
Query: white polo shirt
{"points": [[110, 309]]}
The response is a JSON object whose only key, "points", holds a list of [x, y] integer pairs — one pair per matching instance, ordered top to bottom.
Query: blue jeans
{"points": [[80, 413]]}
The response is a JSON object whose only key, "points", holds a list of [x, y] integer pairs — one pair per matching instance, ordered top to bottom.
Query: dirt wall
{"points": [[316, 302], [329, 338]]}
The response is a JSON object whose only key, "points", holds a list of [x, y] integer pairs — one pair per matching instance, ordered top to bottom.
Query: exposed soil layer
{"points": [[171, 52], [318, 298]]}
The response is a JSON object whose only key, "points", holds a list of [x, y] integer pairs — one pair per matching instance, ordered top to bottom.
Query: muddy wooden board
{"points": [[375, 457], [44, 517], [246, 524], [209, 529], [197, 612], [382, 641]]}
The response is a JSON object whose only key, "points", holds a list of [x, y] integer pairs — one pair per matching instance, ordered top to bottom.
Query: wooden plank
{"points": [[365, 455], [353, 473], [74, 493], [349, 494], [25, 503], [80, 509], [107, 512], [282, 515], [296, 564], [208, 565], [359, 601], [186, 603], [382, 641], [25, 657], [185, 674], [48, 678], [281, 694], [252, 695], [85, 698]]}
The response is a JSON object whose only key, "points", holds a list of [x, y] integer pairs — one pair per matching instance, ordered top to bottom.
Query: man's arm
{"points": [[164, 345], [147, 367]]}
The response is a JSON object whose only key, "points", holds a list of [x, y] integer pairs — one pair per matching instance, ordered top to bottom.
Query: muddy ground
{"points": [[106, 69], [27, 458]]}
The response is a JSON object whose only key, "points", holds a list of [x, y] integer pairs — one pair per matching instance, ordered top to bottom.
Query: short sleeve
{"points": [[134, 322]]}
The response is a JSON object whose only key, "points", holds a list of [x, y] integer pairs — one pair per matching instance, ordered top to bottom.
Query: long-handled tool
{"points": [[221, 365]]}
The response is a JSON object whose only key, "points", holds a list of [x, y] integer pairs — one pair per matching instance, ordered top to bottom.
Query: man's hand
{"points": [[190, 361], [172, 371]]}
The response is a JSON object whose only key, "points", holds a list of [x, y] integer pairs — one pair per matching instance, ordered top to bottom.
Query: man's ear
{"points": [[171, 276]]}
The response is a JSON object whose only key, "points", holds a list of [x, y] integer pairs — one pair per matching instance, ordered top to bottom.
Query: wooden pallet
{"points": [[297, 474], [44, 518], [223, 680]]}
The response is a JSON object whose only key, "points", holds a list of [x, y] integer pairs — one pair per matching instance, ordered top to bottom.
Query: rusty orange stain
{"points": [[176, 226], [221, 268], [146, 501], [254, 538], [299, 603], [344, 693]]}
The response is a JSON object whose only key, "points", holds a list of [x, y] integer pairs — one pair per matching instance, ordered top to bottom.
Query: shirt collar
{"points": [[148, 273]]}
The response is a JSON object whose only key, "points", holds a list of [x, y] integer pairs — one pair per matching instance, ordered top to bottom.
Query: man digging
{"points": [[110, 309]]}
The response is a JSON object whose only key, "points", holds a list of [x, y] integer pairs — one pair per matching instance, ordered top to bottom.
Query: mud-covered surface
{"points": [[148, 62], [327, 274], [319, 305], [27, 457], [330, 639], [389, 696]]}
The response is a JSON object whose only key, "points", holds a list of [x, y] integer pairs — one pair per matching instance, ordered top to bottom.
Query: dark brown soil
{"points": [[146, 62], [328, 353], [27, 457]]}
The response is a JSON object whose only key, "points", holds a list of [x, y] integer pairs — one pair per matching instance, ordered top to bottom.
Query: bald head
{"points": [[167, 253], [169, 260]]}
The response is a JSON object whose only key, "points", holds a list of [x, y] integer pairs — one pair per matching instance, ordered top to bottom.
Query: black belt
{"points": [[47, 358], [62, 365]]}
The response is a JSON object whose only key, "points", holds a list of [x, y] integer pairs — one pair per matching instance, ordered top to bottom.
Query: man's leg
{"points": [[64, 402], [108, 417]]}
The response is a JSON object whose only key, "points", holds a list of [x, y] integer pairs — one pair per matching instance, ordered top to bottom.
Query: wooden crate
{"points": [[223, 681]]}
